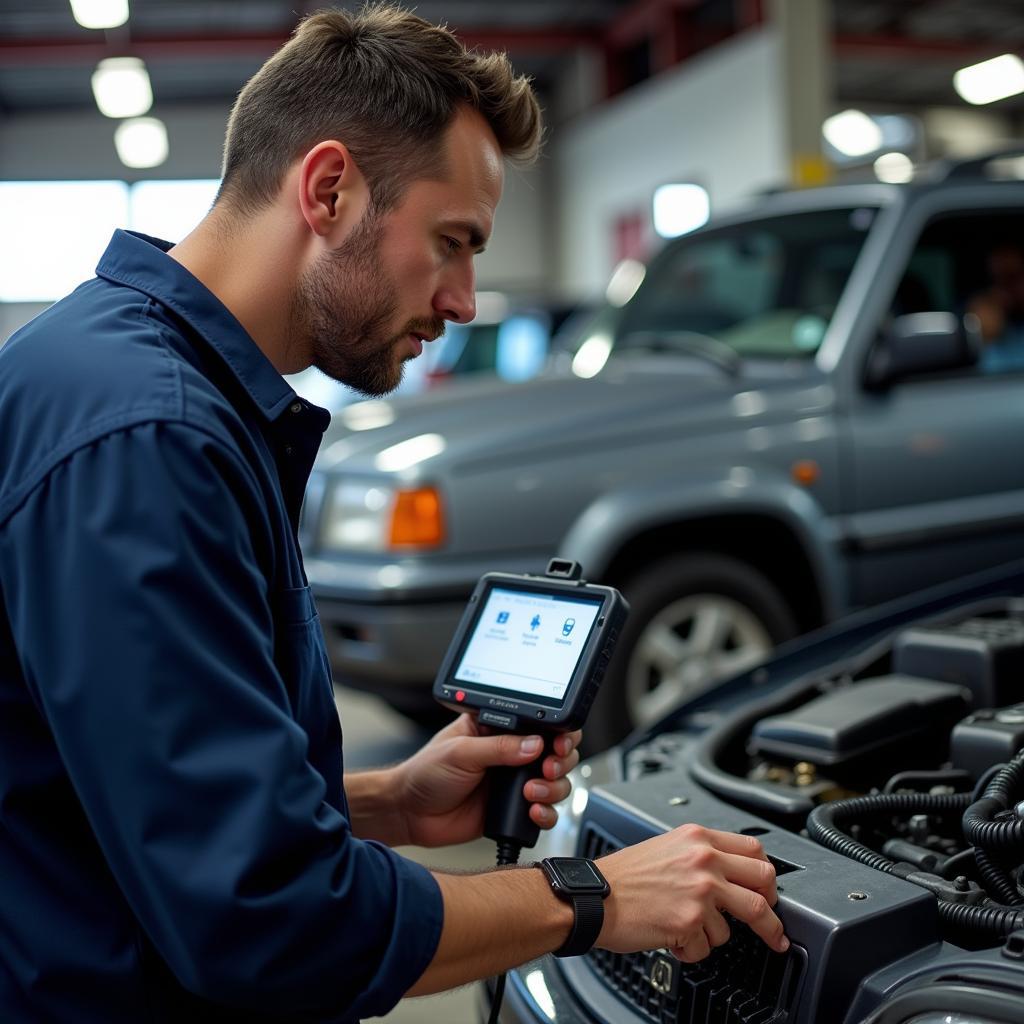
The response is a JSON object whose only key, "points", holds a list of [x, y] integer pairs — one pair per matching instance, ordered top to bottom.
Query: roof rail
{"points": [[973, 167]]}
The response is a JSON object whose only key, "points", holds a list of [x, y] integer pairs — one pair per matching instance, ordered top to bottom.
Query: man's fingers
{"points": [[567, 741], [556, 767], [546, 792], [543, 816], [733, 842], [758, 875], [753, 909], [716, 928], [695, 949]]}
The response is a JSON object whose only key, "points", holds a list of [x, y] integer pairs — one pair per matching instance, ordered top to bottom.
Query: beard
{"points": [[343, 307]]}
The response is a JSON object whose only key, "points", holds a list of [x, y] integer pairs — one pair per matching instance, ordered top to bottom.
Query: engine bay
{"points": [[887, 789]]}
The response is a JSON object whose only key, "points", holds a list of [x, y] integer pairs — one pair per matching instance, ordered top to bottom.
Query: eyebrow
{"points": [[477, 241]]}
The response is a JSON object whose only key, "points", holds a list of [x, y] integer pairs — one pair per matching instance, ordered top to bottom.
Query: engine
{"points": [[888, 790]]}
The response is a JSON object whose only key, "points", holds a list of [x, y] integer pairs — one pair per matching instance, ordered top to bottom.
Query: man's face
{"points": [[369, 305]]}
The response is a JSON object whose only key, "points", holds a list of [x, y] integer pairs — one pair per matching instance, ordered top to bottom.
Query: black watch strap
{"points": [[588, 917]]}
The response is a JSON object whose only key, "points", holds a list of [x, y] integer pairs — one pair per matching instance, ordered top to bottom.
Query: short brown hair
{"points": [[385, 82]]}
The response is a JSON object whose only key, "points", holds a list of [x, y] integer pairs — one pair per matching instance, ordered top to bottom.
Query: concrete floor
{"points": [[375, 736]]}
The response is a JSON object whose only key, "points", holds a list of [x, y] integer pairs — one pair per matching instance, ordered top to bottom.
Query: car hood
{"points": [[546, 416]]}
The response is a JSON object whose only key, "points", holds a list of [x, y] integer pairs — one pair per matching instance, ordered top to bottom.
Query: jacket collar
{"points": [[141, 262]]}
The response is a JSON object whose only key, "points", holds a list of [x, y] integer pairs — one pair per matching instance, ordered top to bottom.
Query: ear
{"points": [[333, 194]]}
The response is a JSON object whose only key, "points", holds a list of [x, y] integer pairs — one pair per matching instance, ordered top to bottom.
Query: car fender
{"points": [[618, 517]]}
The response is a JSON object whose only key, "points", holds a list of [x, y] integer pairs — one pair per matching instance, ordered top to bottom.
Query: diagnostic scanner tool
{"points": [[528, 657]]}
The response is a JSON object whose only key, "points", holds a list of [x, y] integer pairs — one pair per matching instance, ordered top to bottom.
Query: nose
{"points": [[456, 298]]}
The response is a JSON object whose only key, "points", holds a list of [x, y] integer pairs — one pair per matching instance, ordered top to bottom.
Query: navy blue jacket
{"points": [[174, 837]]}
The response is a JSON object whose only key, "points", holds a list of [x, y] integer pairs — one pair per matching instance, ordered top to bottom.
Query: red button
{"points": [[460, 695]]}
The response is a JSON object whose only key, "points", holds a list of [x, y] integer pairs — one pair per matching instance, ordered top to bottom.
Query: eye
{"points": [[452, 244]]}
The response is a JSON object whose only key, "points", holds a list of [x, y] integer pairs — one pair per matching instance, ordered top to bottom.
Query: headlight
{"points": [[376, 516]]}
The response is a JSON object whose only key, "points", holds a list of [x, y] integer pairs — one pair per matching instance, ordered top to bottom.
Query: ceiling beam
{"points": [[896, 47], [61, 51]]}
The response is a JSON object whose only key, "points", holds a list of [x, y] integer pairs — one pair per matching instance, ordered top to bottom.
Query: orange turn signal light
{"points": [[806, 472], [416, 520]]}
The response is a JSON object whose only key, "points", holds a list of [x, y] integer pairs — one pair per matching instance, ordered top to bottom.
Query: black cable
{"points": [[947, 776], [985, 779], [825, 821], [980, 825], [823, 827], [508, 854], [996, 878]]}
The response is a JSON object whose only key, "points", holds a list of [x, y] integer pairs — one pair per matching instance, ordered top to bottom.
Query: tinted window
{"points": [[972, 263], [766, 288]]}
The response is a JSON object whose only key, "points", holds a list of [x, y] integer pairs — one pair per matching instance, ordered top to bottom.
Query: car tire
{"points": [[694, 619]]}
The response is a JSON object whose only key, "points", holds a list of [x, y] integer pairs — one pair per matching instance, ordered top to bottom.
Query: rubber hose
{"points": [[823, 823], [980, 828], [995, 878], [997, 921]]}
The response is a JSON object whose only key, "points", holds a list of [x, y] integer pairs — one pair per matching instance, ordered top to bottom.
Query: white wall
{"points": [[716, 120]]}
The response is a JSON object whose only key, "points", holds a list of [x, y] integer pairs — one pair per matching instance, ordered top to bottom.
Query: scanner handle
{"points": [[507, 818]]}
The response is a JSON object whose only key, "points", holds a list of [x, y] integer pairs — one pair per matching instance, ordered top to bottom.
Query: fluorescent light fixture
{"points": [[100, 13], [990, 80], [121, 87], [852, 132], [141, 142], [894, 168], [679, 209], [625, 279], [592, 355], [368, 415], [412, 452]]}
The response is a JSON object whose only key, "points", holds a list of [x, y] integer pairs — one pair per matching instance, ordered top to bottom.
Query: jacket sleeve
{"points": [[143, 622]]}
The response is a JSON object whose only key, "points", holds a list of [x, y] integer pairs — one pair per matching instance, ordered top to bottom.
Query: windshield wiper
{"points": [[691, 343]]}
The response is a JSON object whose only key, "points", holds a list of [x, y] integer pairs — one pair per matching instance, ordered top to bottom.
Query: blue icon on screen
{"points": [[502, 617], [535, 622], [567, 626]]}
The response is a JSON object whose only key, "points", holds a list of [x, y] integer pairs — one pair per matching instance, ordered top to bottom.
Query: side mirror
{"points": [[921, 343]]}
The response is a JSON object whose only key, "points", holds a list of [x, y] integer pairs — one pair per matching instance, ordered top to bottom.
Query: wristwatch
{"points": [[578, 881]]}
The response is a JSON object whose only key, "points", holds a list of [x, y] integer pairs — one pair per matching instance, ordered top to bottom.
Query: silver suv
{"points": [[793, 416]]}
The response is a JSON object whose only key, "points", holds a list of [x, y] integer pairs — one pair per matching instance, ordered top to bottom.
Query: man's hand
{"points": [[441, 790], [670, 892]]}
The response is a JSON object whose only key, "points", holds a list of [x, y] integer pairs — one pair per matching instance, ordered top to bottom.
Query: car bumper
{"points": [[387, 626], [392, 650], [542, 991]]}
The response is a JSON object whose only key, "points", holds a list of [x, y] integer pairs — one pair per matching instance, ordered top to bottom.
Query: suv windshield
{"points": [[765, 288]]}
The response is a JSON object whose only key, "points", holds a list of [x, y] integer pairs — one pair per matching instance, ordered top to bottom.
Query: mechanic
{"points": [[177, 839]]}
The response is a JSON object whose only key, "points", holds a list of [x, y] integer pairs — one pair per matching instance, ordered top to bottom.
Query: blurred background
{"points": [[727, 96], [662, 116]]}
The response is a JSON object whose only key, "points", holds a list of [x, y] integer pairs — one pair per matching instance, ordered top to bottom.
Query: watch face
{"points": [[576, 874]]}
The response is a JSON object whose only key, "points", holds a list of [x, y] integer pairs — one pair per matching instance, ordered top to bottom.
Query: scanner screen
{"points": [[528, 643]]}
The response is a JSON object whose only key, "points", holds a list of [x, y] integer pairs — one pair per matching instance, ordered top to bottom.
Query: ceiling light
{"points": [[100, 13], [991, 80], [121, 87], [852, 132], [141, 142], [894, 168], [679, 209], [625, 280]]}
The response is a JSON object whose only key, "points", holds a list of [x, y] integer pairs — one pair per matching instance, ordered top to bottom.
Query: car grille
{"points": [[742, 982]]}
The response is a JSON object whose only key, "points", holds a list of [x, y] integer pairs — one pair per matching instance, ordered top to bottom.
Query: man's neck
{"points": [[250, 267]]}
